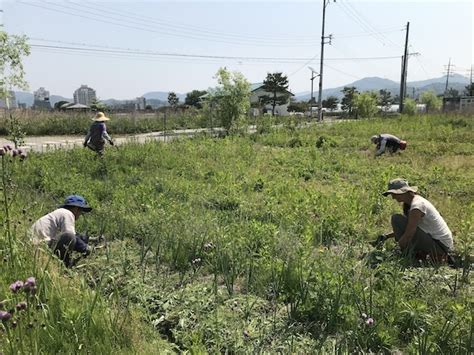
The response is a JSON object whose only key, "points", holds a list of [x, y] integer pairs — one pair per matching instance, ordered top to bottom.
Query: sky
{"points": [[124, 49]]}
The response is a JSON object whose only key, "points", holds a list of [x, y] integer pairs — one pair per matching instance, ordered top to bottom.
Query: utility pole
{"points": [[321, 60], [404, 70], [447, 77], [311, 102]]}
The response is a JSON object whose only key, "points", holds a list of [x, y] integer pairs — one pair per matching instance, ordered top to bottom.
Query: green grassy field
{"points": [[254, 243]]}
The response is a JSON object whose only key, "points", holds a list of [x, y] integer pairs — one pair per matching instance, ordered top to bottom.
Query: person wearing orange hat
{"points": [[95, 139]]}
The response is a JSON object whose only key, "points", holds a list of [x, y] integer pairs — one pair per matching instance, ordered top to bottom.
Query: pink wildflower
{"points": [[16, 286], [21, 306], [5, 316]]}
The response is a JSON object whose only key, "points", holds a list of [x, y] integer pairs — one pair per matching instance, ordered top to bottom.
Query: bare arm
{"points": [[414, 217]]}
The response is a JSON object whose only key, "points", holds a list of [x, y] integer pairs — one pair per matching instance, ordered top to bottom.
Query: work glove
{"points": [[379, 241]]}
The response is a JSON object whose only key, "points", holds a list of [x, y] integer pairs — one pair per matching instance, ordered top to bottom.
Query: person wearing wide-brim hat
{"points": [[95, 139], [387, 142], [57, 229], [420, 229]]}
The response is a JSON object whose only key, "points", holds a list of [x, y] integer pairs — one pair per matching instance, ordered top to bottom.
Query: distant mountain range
{"points": [[456, 81], [160, 98]]}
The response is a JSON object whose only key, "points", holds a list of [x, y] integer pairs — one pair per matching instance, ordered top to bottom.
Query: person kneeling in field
{"points": [[95, 139], [387, 142], [57, 229], [420, 231]]}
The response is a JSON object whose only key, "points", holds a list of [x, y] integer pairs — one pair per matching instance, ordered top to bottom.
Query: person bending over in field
{"points": [[97, 135], [387, 142], [57, 229], [421, 230]]}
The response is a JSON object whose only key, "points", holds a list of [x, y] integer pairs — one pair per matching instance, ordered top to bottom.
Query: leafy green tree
{"points": [[12, 50], [277, 85], [469, 90], [452, 93], [193, 98], [173, 99], [385, 99], [230, 101], [331, 102], [347, 102], [432, 102], [366, 104], [57, 105], [97, 105], [298, 106], [409, 107]]}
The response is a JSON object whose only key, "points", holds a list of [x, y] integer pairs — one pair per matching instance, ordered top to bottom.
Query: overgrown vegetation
{"points": [[253, 243]]}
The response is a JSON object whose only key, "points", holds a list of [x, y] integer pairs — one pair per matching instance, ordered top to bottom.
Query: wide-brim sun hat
{"points": [[100, 117], [399, 186], [76, 201]]}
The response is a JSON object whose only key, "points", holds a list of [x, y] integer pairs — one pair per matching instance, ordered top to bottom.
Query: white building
{"points": [[257, 91], [41, 94], [84, 95], [41, 99], [140, 103]]}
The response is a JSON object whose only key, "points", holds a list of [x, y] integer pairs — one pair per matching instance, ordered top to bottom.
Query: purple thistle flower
{"points": [[7, 147], [15, 152], [23, 155], [30, 282], [16, 286], [21, 306], [5, 316], [369, 322]]}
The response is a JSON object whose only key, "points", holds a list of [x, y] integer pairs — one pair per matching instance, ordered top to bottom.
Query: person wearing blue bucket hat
{"points": [[57, 229]]}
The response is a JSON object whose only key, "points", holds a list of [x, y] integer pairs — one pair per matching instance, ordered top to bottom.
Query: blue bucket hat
{"points": [[76, 201]]}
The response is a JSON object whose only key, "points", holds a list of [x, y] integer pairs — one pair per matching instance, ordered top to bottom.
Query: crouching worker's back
{"points": [[57, 229]]}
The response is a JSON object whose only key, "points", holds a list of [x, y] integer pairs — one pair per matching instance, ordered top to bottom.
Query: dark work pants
{"points": [[98, 147], [421, 241], [66, 243]]}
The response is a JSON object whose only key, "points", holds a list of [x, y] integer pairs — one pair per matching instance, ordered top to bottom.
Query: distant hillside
{"points": [[437, 85], [162, 96], [28, 98]]}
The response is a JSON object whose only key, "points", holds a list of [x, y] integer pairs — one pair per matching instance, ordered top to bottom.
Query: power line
{"points": [[351, 12], [102, 18], [367, 22], [195, 29], [202, 56], [342, 72]]}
